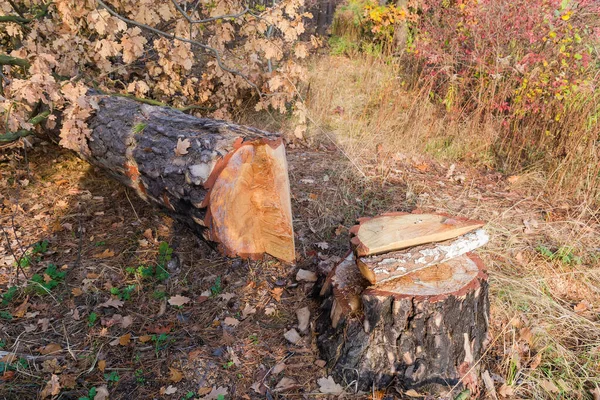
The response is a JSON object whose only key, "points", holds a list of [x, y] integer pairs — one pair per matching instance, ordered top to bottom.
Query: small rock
{"points": [[307, 181], [305, 275], [303, 315], [292, 336], [321, 363]]}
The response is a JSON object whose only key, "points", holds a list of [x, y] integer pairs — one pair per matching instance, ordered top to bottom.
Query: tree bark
{"points": [[227, 182], [425, 330]]}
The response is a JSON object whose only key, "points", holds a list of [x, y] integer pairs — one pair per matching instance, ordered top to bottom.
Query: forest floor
{"points": [[108, 312]]}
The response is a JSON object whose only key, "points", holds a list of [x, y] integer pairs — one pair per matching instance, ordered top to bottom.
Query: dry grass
{"points": [[545, 309]]}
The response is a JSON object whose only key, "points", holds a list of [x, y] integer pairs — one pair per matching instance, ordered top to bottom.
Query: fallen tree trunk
{"points": [[229, 183], [384, 267], [424, 330]]}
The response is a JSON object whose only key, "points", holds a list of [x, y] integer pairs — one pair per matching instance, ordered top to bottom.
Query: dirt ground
{"points": [[115, 322]]}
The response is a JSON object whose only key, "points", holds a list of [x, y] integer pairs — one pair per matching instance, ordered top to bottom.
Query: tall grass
{"points": [[516, 81]]}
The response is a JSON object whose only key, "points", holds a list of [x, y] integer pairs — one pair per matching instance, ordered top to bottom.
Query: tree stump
{"points": [[229, 183], [425, 330]]}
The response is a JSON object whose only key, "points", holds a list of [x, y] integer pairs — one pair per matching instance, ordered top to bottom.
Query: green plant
{"points": [[37, 249], [564, 254], [48, 280], [217, 288], [124, 293], [159, 294], [9, 295], [6, 315], [92, 319], [253, 338], [161, 342], [228, 364], [139, 376], [112, 377], [91, 394], [188, 395]]}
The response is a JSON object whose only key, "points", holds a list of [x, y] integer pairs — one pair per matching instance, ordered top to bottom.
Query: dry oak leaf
{"points": [[182, 147], [105, 254], [77, 292], [276, 293], [179, 300], [116, 303], [22, 308], [231, 321], [145, 338], [125, 339], [49, 348], [102, 365], [175, 375], [328, 386], [52, 387], [168, 390], [215, 392], [101, 393]]}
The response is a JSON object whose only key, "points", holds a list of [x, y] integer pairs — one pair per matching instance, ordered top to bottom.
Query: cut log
{"points": [[229, 183], [396, 231], [384, 267], [425, 330]]}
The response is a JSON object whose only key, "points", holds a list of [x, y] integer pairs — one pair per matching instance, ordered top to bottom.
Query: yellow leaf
{"points": [[276, 293], [145, 338], [125, 339], [50, 348], [175, 375]]}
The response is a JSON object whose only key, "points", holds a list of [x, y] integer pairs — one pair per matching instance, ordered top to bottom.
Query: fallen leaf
{"points": [[182, 147], [422, 167], [513, 178], [148, 235], [322, 245], [105, 254], [77, 292], [276, 293], [225, 296], [179, 300], [116, 303], [582, 306], [22, 308], [269, 310], [247, 311], [127, 321], [231, 321], [145, 338], [125, 339], [50, 348], [536, 361], [321, 363], [102, 365], [278, 368], [175, 375], [68, 381], [285, 384], [328, 386], [549, 386], [52, 387], [168, 390], [204, 390], [506, 391], [101, 393], [215, 393], [413, 393], [596, 393]]}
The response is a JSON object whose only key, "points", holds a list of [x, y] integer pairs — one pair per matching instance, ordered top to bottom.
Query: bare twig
{"points": [[203, 21], [216, 54]]}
